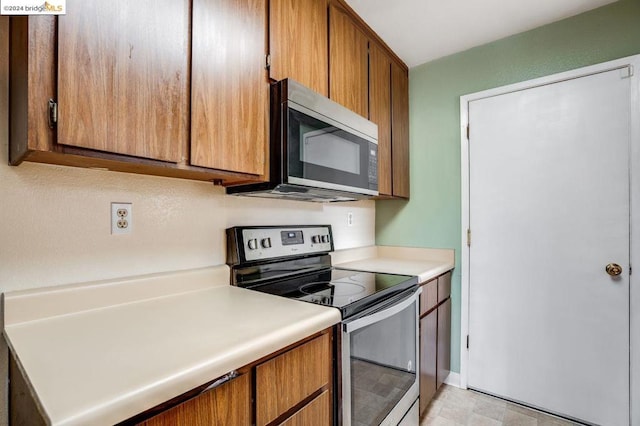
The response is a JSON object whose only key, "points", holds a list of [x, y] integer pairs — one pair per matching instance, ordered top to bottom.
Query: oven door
{"points": [[326, 154], [380, 363]]}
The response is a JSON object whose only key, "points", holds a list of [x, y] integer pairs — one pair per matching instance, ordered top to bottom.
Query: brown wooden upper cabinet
{"points": [[298, 45], [348, 62], [123, 78], [229, 85], [116, 88], [388, 108], [380, 112], [400, 130]]}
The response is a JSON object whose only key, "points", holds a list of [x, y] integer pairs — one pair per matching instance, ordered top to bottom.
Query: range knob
{"points": [[325, 238], [315, 239], [266, 242], [253, 244]]}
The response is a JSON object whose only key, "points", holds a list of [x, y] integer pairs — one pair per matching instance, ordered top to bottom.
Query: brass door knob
{"points": [[613, 269]]}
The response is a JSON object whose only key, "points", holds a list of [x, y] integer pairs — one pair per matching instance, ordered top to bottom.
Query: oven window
{"points": [[328, 149], [321, 152], [383, 366]]}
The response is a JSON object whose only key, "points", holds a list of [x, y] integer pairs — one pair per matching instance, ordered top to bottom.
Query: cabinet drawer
{"points": [[444, 286], [429, 296], [288, 379], [228, 404], [317, 412]]}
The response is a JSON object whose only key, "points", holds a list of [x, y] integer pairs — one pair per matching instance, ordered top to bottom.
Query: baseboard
{"points": [[453, 379]]}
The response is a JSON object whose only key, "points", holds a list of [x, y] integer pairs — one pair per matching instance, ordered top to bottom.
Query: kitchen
{"points": [[56, 219]]}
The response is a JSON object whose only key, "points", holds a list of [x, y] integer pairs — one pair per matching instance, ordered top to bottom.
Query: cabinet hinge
{"points": [[267, 61], [53, 113], [467, 132], [468, 237], [630, 269], [467, 341]]}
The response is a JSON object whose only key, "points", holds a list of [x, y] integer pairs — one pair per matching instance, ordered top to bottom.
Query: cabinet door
{"points": [[298, 42], [348, 64], [123, 77], [230, 90], [380, 112], [400, 130], [444, 342], [428, 354], [290, 378], [228, 404]]}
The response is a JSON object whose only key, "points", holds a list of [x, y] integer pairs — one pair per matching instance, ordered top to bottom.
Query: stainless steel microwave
{"points": [[319, 150]]}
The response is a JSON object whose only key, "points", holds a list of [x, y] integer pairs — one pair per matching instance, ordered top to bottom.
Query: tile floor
{"points": [[453, 407]]}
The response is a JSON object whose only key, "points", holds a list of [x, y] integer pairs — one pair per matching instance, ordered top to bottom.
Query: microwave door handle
{"points": [[381, 315]]}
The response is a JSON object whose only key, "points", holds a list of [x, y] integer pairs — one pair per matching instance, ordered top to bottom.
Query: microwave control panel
{"points": [[274, 242]]}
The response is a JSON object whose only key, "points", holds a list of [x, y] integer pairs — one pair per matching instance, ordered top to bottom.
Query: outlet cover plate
{"points": [[121, 218]]}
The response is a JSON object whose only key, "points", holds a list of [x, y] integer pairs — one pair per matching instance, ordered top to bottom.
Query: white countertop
{"points": [[424, 263], [101, 362]]}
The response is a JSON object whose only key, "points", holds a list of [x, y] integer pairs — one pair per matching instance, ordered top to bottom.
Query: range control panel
{"points": [[262, 243]]}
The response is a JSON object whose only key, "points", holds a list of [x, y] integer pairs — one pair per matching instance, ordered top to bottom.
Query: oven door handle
{"points": [[382, 315]]}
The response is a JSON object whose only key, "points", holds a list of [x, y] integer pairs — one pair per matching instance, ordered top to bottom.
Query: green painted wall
{"points": [[432, 217]]}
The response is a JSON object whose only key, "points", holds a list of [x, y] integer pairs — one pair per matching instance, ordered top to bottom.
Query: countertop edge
{"points": [[436, 272]]}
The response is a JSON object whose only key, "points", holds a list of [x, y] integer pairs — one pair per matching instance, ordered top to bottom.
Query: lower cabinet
{"points": [[435, 337], [428, 354], [292, 387], [228, 404]]}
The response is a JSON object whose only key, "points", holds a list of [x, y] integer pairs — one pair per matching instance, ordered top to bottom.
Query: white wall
{"points": [[55, 221]]}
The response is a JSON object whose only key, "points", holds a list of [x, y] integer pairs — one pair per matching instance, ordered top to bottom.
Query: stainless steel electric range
{"points": [[376, 355]]}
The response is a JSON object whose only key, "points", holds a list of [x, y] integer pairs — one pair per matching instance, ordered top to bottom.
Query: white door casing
{"points": [[532, 210]]}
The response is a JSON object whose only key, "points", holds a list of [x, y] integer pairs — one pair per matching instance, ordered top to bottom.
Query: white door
{"points": [[548, 211]]}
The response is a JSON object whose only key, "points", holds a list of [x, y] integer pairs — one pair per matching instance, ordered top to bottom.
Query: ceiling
{"points": [[423, 30]]}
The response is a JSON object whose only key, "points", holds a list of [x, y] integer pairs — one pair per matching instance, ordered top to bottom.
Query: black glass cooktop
{"points": [[348, 290]]}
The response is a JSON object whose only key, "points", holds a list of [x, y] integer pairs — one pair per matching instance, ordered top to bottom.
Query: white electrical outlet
{"points": [[121, 218], [350, 219]]}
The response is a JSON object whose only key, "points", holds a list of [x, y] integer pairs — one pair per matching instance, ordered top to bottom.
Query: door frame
{"points": [[634, 168]]}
